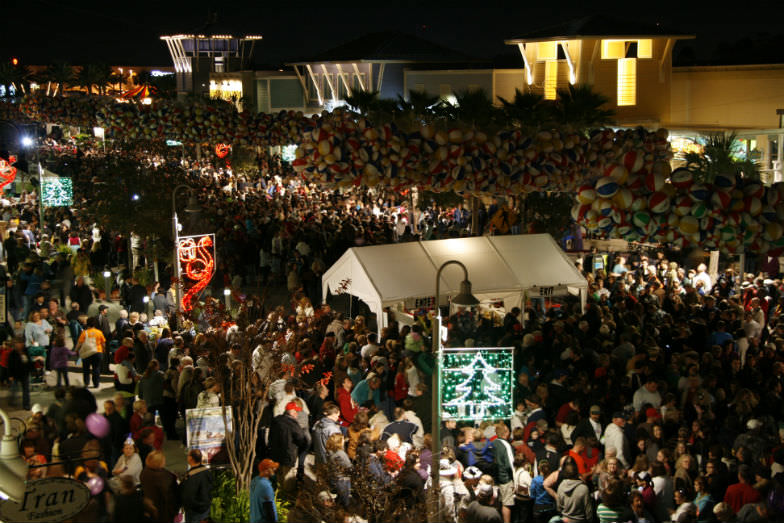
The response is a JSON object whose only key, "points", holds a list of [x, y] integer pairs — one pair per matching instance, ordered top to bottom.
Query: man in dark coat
{"points": [[82, 294], [136, 295], [287, 439], [196, 489]]}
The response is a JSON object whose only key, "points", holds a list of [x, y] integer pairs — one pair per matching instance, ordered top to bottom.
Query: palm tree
{"points": [[61, 74], [98, 75], [362, 101], [472, 108], [581, 108], [528, 110], [720, 152]]}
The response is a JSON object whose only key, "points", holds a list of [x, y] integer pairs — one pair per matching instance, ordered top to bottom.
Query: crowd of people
{"points": [[660, 401]]}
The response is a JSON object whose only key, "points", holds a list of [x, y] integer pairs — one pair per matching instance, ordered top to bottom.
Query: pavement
{"points": [[44, 394]]}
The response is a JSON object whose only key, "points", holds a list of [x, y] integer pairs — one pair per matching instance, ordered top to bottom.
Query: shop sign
{"points": [[47, 500]]}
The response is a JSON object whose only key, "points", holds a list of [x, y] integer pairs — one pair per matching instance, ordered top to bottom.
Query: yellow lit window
{"points": [[645, 48], [613, 49], [546, 51], [550, 79], [627, 81]]}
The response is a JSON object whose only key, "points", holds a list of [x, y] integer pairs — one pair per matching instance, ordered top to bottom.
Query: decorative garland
{"points": [[621, 179]]}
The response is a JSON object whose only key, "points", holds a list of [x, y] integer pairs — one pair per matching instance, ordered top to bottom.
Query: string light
{"points": [[197, 263], [477, 385]]}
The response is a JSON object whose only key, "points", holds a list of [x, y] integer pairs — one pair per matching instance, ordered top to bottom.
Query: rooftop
{"points": [[598, 25], [388, 46]]}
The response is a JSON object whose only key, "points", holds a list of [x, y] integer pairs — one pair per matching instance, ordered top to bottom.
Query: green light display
{"points": [[56, 192], [477, 384]]}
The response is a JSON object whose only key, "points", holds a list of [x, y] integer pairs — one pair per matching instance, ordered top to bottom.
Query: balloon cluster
{"points": [[206, 121], [344, 150], [637, 203]]}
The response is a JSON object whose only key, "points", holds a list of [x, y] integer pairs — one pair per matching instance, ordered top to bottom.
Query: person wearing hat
{"points": [[286, 440], [452, 488], [262, 495]]}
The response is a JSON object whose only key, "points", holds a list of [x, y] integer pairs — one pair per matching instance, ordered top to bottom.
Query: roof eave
{"points": [[515, 41]]}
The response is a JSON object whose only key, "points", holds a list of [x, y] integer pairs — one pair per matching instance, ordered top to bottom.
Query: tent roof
{"points": [[495, 264]]}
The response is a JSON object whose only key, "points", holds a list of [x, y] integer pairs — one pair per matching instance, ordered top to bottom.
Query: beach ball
{"points": [[633, 161], [617, 172], [682, 178], [654, 181], [635, 182], [724, 182], [606, 187], [755, 189], [699, 193], [586, 194], [623, 198], [721, 200], [658, 202], [640, 203], [752, 205], [683, 206], [604, 207], [579, 210], [699, 210], [591, 219], [641, 219], [673, 220], [689, 225], [772, 232]]}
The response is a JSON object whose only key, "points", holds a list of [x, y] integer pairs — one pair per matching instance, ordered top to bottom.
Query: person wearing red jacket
{"points": [[348, 407]]}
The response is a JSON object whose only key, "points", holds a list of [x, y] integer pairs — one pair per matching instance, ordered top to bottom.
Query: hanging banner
{"points": [[196, 258], [477, 383], [206, 430]]}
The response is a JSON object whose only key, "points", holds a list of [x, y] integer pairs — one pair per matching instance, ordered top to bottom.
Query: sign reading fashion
{"points": [[49, 499]]}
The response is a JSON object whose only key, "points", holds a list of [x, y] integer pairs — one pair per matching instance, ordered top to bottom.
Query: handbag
{"points": [[88, 347]]}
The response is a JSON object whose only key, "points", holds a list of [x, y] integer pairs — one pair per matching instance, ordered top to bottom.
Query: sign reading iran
{"points": [[48, 500]]}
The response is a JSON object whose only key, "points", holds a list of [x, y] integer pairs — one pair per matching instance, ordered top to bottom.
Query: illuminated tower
{"points": [[197, 55]]}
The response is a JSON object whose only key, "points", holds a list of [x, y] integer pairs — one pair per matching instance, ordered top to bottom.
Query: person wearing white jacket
{"points": [[614, 438]]}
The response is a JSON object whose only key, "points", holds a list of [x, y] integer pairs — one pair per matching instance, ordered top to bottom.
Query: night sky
{"points": [[126, 33]]}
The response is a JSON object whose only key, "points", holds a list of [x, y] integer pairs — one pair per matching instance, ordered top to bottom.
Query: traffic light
{"points": [[15, 61]]}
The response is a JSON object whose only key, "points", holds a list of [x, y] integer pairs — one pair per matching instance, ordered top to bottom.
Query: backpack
{"points": [[88, 347]]}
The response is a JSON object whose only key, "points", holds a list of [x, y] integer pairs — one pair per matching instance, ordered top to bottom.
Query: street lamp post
{"points": [[192, 207], [107, 282], [464, 297]]}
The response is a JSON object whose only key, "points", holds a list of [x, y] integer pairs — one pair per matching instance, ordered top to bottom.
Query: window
{"points": [[550, 79], [627, 81]]}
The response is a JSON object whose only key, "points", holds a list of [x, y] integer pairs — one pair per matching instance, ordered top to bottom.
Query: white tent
{"points": [[500, 268]]}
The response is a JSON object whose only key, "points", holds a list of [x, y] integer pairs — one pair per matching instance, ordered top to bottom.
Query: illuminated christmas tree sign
{"points": [[56, 191], [476, 384]]}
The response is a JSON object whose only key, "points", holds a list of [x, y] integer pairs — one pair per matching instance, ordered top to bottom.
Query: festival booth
{"points": [[502, 270]]}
